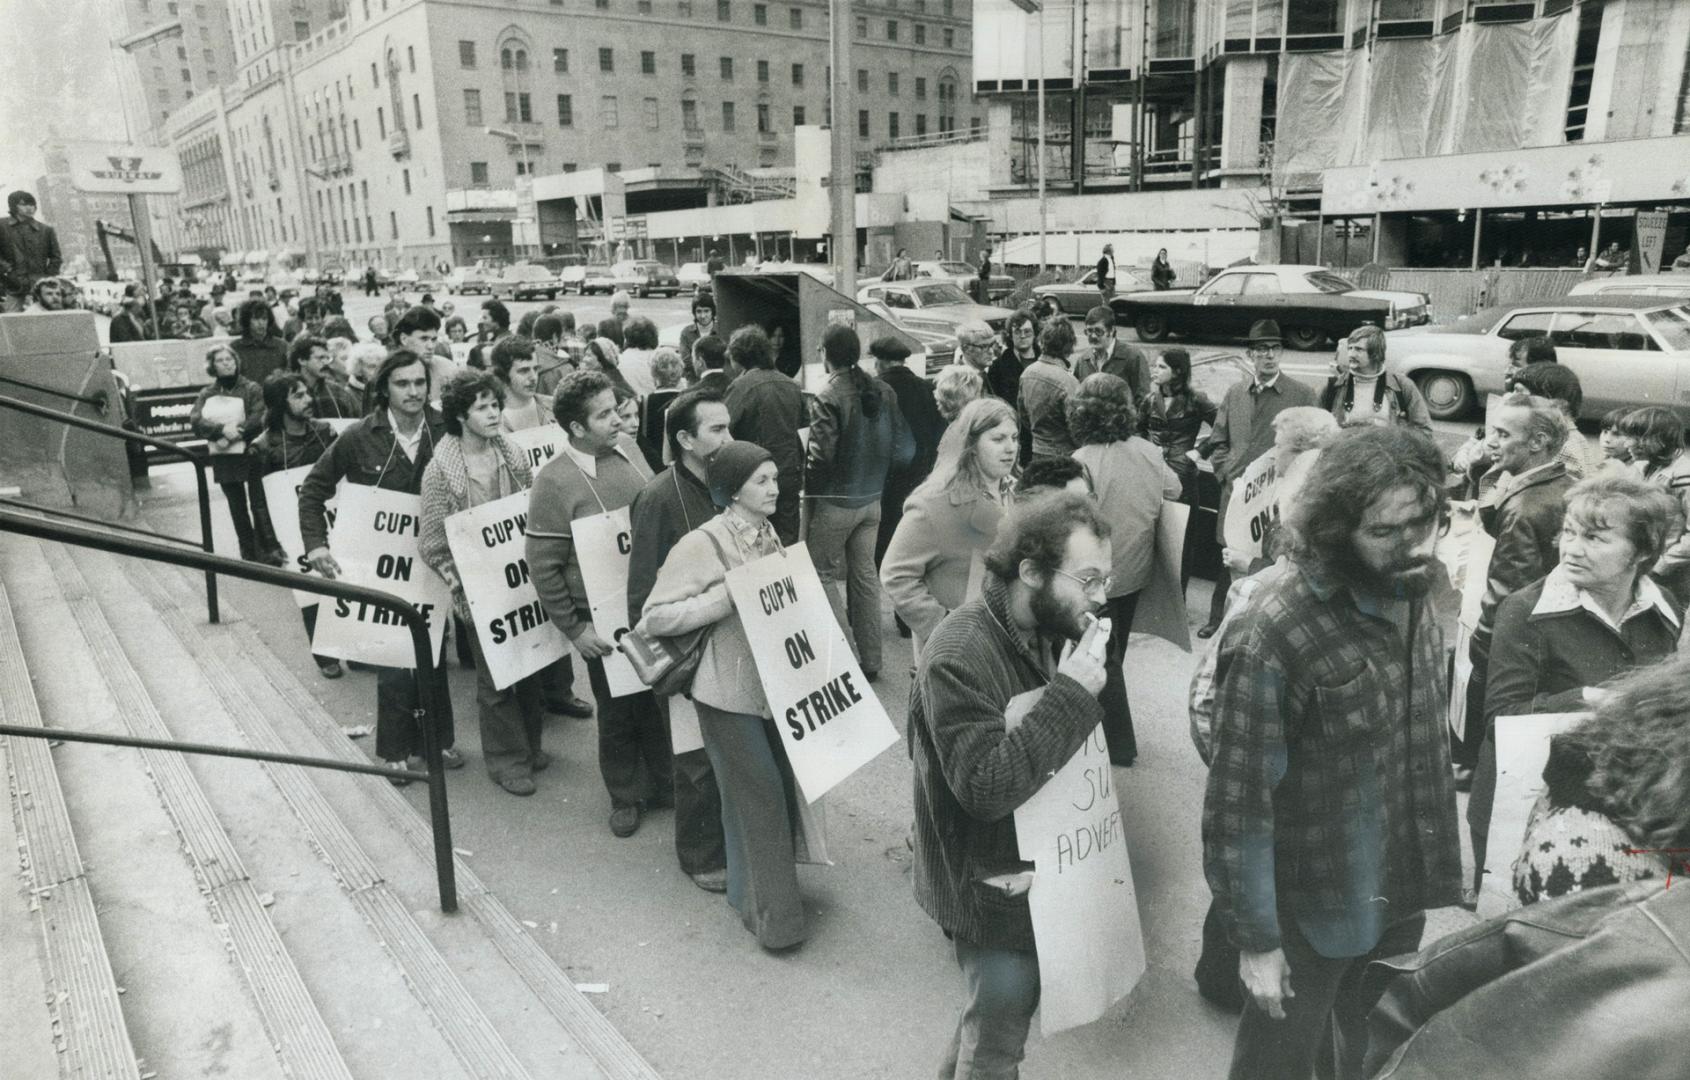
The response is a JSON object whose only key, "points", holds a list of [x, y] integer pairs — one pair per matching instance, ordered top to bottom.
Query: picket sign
{"points": [[223, 410], [338, 424], [538, 444], [281, 493], [1251, 507], [375, 542], [603, 544], [1481, 545], [1161, 606], [517, 637], [828, 716], [685, 735], [1522, 751], [1083, 903]]}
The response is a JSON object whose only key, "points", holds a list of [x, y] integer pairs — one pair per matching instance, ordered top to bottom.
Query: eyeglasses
{"points": [[1096, 332], [974, 344], [1091, 582]]}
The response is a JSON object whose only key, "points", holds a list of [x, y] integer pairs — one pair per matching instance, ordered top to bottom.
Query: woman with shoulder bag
{"points": [[760, 799]]}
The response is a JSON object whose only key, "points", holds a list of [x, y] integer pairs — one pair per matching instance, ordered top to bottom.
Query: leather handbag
{"points": [[668, 664]]}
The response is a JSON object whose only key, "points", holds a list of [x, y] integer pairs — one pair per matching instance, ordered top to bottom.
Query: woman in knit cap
{"points": [[760, 801]]}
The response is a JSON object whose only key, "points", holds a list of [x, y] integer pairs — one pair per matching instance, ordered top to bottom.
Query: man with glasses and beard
{"points": [[1107, 353], [1047, 576], [1329, 824]]}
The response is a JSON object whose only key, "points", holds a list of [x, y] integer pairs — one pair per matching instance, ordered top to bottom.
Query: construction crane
{"points": [[103, 230]]}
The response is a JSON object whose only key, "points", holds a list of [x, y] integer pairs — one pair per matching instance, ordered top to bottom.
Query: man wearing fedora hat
{"points": [[1243, 432]]}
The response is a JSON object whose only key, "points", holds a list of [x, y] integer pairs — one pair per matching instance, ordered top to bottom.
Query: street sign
{"points": [[121, 169]]}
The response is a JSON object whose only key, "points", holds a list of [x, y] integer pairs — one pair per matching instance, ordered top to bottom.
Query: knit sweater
{"points": [[445, 491], [563, 494]]}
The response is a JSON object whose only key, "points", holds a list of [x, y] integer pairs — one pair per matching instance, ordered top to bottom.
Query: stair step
{"points": [[224, 709], [301, 720], [47, 913], [154, 913], [300, 1037]]}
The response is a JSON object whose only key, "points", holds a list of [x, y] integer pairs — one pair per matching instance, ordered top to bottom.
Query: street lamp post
{"points": [[1038, 7], [139, 215]]}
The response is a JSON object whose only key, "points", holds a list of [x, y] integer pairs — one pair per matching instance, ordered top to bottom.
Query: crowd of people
{"points": [[1006, 506]]}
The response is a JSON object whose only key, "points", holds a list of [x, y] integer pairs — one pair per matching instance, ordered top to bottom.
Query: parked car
{"points": [[693, 275], [965, 275], [645, 277], [407, 279], [597, 279], [464, 280], [528, 281], [1671, 286], [1080, 295], [938, 301], [1310, 303], [936, 336], [1626, 351]]}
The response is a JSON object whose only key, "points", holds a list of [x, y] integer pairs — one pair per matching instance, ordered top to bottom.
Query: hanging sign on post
{"points": [[375, 541], [603, 543], [517, 637], [828, 716]]}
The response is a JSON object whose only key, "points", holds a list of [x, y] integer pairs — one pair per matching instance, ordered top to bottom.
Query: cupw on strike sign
{"points": [[538, 444], [281, 492], [1251, 508], [375, 542], [604, 543], [517, 637], [826, 712]]}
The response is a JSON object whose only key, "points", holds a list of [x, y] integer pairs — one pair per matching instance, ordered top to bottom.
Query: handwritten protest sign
{"points": [[338, 424], [538, 444], [281, 492], [1251, 507], [375, 542], [603, 544], [1161, 606], [517, 636], [827, 715], [1522, 750], [1084, 906]]}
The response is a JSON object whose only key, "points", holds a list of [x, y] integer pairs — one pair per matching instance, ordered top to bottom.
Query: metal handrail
{"points": [[97, 399], [193, 456], [89, 520], [415, 622]]}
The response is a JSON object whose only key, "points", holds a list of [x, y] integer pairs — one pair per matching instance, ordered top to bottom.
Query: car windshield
{"points": [[1328, 282], [937, 295], [1672, 326]]}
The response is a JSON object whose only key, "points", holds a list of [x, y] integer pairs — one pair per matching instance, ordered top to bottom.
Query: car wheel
{"points": [[1151, 327], [1304, 338], [1449, 394]]}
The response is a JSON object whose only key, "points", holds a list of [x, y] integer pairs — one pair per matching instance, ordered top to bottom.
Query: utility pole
{"points": [[1038, 6], [842, 174]]}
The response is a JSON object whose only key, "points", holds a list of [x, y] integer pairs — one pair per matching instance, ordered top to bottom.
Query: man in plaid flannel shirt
{"points": [[1329, 824]]}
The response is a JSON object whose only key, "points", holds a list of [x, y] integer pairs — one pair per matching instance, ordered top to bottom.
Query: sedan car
{"points": [[693, 275], [965, 276], [645, 277], [596, 279], [464, 280], [529, 281], [1669, 286], [1080, 295], [937, 301], [1310, 303], [937, 339], [1626, 351]]}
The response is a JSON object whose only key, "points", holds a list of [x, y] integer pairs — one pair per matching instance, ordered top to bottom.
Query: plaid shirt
{"points": [[1330, 796]]}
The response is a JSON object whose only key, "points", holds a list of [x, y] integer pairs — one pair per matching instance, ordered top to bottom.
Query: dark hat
{"points": [[1264, 330], [889, 349], [732, 467]]}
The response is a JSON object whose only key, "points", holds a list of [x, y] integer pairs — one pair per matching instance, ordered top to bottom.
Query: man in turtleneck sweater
{"points": [[591, 478]]}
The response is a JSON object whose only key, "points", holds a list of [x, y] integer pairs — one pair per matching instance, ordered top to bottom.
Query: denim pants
{"points": [[841, 541], [511, 719], [398, 735], [636, 760], [1324, 1032], [991, 1035]]}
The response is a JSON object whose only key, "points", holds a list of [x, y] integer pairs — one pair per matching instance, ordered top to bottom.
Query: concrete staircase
{"points": [[181, 915]]}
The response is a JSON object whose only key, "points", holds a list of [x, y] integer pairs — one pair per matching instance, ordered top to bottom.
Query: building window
{"points": [[602, 5], [643, 7], [949, 7], [683, 8], [724, 11], [760, 14], [795, 18], [862, 26], [891, 29], [921, 33], [950, 38], [411, 59], [513, 59], [607, 59], [560, 61], [648, 63], [689, 67], [728, 68], [762, 71], [797, 74], [187, 76], [375, 77], [862, 80], [892, 83], [920, 88], [650, 104], [472, 108], [416, 109], [518, 109], [565, 111], [608, 111], [689, 116], [727, 116], [798, 116], [381, 123], [764, 123], [862, 123], [921, 123], [974, 124], [357, 137], [406, 174], [478, 174], [428, 212], [393, 224]]}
